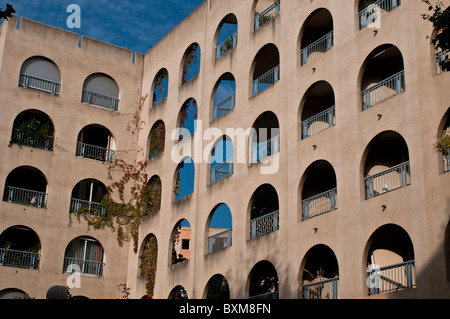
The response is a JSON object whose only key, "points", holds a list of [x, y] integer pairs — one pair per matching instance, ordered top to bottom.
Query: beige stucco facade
{"points": [[417, 116]]}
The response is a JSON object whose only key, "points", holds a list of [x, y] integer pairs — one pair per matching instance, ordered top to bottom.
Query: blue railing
{"points": [[270, 13], [372, 13], [226, 45], [317, 48], [440, 57], [266, 80], [32, 82], [383, 90], [102, 100], [224, 107], [319, 122], [36, 140], [265, 149], [95, 152], [446, 157], [221, 170], [391, 179], [26, 197], [319, 204], [89, 208], [264, 224], [219, 241], [18, 258], [84, 267], [391, 278], [323, 289], [267, 296]]}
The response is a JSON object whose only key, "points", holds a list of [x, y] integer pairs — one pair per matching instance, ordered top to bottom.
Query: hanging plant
{"points": [[157, 139], [148, 264]]}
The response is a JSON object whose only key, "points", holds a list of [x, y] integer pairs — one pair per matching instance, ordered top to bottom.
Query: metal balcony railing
{"points": [[374, 11], [270, 13], [226, 45], [317, 48], [441, 56], [266, 80], [32, 82], [383, 90], [102, 100], [224, 107], [319, 122], [35, 140], [266, 149], [95, 152], [446, 158], [221, 171], [396, 177], [26, 197], [319, 204], [83, 206], [264, 224], [219, 241], [18, 258], [85, 267], [392, 278], [324, 289], [267, 296]]}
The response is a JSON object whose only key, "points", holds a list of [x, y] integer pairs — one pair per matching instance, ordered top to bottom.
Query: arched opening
{"points": [[265, 11], [370, 11], [226, 35], [317, 36], [190, 64], [266, 69], [40, 73], [383, 76], [160, 87], [101, 90], [224, 99], [318, 112], [187, 118], [33, 128], [265, 137], [157, 139], [96, 142], [442, 145], [222, 160], [386, 164], [184, 179], [26, 185], [319, 191], [152, 194], [87, 196], [264, 211], [219, 228], [181, 242], [20, 247], [84, 255], [389, 260], [148, 261], [319, 274], [263, 281], [217, 288], [178, 292], [12, 293]]}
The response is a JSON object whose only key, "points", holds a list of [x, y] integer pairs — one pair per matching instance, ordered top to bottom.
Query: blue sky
{"points": [[134, 24]]}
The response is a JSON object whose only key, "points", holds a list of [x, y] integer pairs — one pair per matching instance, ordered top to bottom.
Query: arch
{"points": [[226, 35], [317, 35], [190, 63], [265, 70], [40, 73], [382, 76], [160, 86], [101, 90], [224, 95], [317, 111], [187, 118], [33, 128], [264, 137], [157, 139], [96, 142], [442, 145], [221, 159], [385, 164], [184, 179], [26, 185], [318, 190], [152, 194], [87, 197], [264, 211], [219, 228], [180, 242], [20, 246], [84, 255], [389, 260], [148, 261], [319, 274], [262, 281], [217, 288], [178, 292], [13, 293]]}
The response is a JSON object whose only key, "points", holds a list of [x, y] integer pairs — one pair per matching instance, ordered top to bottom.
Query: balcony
{"points": [[372, 12], [267, 15], [226, 45], [317, 48], [441, 57], [41, 74], [266, 80], [33, 82], [101, 90], [384, 90], [102, 100], [224, 107], [319, 122], [31, 139], [264, 150], [95, 152], [446, 158], [221, 171], [396, 177], [26, 197], [319, 204], [78, 206], [264, 225], [219, 241], [20, 247], [84, 255], [18, 258], [84, 267], [391, 278], [323, 289], [266, 296]]}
